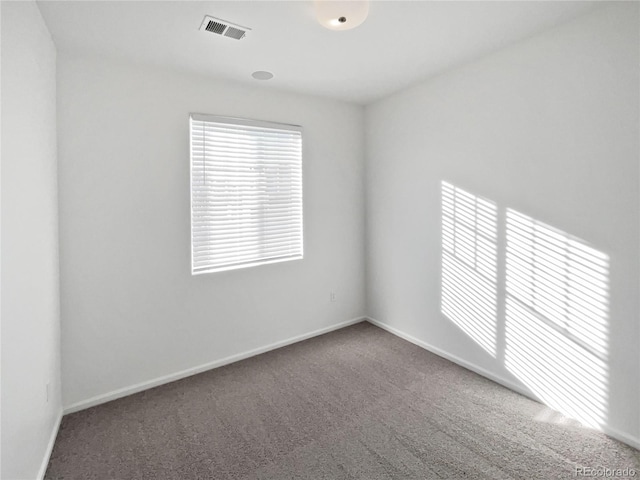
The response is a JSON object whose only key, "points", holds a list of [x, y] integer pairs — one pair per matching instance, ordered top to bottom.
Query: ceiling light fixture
{"points": [[341, 15], [262, 75]]}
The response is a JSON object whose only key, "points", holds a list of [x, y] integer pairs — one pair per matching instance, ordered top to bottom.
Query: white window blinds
{"points": [[246, 193]]}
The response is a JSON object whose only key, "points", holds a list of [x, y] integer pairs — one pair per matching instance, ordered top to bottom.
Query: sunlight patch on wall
{"points": [[469, 264], [557, 318]]}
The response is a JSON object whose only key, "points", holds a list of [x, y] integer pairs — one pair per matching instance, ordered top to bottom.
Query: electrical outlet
{"points": [[332, 296]]}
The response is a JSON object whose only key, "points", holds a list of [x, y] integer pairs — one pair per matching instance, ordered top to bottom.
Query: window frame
{"points": [[237, 121]]}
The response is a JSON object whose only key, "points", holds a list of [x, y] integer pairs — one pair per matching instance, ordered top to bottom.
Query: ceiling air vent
{"points": [[224, 28]]}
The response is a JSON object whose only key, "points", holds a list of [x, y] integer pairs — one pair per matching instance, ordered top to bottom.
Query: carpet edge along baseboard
{"points": [[172, 377], [607, 430]]}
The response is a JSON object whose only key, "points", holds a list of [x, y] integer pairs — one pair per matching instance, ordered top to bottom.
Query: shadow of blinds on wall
{"points": [[246, 193], [469, 264], [557, 318]]}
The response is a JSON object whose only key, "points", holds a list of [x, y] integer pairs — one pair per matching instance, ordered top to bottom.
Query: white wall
{"points": [[548, 127], [29, 278], [131, 310]]}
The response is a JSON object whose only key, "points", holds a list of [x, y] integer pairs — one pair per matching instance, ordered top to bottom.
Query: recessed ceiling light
{"points": [[262, 75]]}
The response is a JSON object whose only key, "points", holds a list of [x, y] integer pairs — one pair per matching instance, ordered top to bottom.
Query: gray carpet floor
{"points": [[358, 403]]}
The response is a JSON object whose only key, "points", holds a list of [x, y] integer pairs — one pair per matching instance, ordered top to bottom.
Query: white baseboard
{"points": [[455, 359], [139, 387], [618, 435], [622, 436], [49, 450]]}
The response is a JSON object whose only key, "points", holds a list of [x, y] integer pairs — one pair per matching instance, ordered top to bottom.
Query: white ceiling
{"points": [[399, 44]]}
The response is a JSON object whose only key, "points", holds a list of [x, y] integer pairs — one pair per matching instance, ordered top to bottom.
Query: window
{"points": [[246, 193]]}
